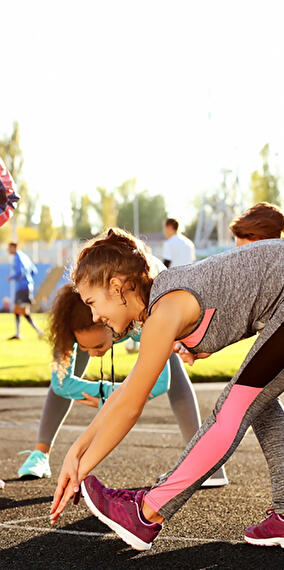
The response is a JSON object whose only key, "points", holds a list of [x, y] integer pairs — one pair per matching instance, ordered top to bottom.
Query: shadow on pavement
{"points": [[6, 503], [59, 551]]}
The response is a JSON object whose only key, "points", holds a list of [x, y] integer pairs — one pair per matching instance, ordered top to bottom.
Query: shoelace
{"points": [[25, 451], [121, 493]]}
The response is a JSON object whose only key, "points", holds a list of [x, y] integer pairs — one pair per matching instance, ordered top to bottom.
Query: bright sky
{"points": [[112, 89]]}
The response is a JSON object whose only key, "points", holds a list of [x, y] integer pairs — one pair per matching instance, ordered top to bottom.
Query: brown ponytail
{"points": [[115, 253], [68, 314]]}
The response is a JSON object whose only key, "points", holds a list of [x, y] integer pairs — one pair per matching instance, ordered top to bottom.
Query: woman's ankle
{"points": [[42, 447], [151, 515]]}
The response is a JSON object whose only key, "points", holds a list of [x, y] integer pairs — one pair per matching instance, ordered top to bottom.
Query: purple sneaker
{"points": [[121, 511], [269, 532]]}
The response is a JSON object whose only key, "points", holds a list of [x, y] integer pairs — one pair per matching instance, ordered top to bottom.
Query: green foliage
{"points": [[11, 153], [264, 184], [106, 207], [152, 213], [80, 216], [190, 229], [46, 230], [6, 233]]}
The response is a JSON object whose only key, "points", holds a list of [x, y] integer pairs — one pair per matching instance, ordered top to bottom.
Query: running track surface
{"points": [[205, 534]]}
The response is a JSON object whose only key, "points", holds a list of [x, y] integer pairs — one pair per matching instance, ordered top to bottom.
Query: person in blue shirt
{"points": [[23, 271]]}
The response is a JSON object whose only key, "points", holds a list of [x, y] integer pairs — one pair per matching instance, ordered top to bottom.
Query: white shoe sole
{"points": [[44, 476], [218, 482], [127, 536], [276, 541]]}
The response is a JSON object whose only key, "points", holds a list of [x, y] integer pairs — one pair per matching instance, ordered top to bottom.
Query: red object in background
{"points": [[8, 194]]}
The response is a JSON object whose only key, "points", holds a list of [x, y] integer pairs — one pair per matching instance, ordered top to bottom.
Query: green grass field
{"points": [[27, 362]]}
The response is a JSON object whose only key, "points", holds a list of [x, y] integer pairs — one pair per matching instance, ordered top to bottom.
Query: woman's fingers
{"points": [[203, 354], [188, 357], [89, 400], [61, 484], [67, 495]]}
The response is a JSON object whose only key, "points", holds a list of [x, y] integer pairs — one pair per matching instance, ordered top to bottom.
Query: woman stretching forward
{"points": [[205, 306], [75, 338]]}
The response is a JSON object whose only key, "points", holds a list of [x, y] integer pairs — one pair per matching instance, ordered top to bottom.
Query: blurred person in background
{"points": [[261, 221], [178, 249], [23, 271]]}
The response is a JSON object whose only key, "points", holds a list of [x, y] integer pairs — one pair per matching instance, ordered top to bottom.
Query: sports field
{"points": [[27, 362]]}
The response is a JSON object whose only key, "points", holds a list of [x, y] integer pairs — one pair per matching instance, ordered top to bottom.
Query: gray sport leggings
{"points": [[181, 396], [249, 399]]}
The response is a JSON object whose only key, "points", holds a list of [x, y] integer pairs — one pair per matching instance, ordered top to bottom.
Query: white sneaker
{"points": [[36, 465], [215, 481]]}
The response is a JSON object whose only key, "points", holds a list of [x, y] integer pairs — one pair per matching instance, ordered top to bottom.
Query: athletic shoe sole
{"points": [[31, 474], [218, 482], [126, 535], [275, 541]]}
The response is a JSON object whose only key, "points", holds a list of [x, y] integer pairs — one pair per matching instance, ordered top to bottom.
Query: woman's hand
{"points": [[189, 357], [89, 400], [68, 484]]}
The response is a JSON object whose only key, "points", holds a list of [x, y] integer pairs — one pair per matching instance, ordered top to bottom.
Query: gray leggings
{"points": [[181, 396], [249, 399]]}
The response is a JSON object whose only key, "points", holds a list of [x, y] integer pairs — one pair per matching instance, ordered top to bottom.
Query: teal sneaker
{"points": [[36, 465]]}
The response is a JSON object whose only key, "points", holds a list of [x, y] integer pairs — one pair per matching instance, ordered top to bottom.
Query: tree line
{"points": [[110, 207], [115, 207]]}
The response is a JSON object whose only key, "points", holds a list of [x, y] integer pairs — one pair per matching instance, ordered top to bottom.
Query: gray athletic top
{"points": [[238, 291]]}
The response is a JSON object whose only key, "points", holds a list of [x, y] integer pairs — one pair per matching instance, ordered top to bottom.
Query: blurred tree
{"points": [[11, 153], [264, 184], [106, 207], [152, 213], [80, 216], [45, 229], [190, 229], [62, 231], [5, 233], [27, 233]]}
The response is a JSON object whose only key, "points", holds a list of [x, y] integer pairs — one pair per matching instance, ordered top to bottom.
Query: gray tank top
{"points": [[237, 291]]}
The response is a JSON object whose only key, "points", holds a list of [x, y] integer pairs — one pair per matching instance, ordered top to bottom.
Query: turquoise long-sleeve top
{"points": [[66, 384]]}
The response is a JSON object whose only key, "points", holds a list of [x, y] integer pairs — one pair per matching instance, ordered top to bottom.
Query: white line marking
{"points": [[151, 429], [27, 520], [9, 525], [55, 530]]}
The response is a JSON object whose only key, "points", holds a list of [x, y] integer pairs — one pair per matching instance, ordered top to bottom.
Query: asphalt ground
{"points": [[207, 533]]}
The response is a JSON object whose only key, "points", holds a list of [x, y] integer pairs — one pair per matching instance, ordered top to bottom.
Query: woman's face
{"points": [[106, 306], [96, 341]]}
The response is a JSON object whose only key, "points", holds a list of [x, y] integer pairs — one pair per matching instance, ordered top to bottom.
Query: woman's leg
{"points": [[258, 382], [183, 399], [184, 404], [56, 408], [54, 412], [269, 430]]}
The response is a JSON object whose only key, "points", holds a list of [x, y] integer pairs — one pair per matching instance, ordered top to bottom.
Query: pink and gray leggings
{"points": [[249, 399]]}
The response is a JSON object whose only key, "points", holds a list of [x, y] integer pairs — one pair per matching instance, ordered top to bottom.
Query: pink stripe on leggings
{"points": [[211, 447]]}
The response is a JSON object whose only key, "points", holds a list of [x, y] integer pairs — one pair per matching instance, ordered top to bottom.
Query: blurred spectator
{"points": [[178, 249], [23, 271]]}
